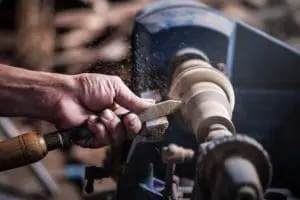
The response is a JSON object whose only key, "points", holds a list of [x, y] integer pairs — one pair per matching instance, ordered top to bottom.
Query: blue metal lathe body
{"points": [[264, 72]]}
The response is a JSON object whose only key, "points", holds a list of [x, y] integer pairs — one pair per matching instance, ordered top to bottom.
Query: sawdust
{"points": [[113, 22]]}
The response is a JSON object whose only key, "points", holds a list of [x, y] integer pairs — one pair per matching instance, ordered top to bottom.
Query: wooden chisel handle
{"points": [[32, 147]]}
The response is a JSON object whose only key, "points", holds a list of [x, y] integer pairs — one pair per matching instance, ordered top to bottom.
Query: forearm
{"points": [[30, 93]]}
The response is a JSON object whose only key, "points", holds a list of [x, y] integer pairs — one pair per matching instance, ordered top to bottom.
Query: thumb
{"points": [[127, 99]]}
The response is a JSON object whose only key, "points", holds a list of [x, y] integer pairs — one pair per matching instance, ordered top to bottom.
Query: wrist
{"points": [[51, 91], [31, 93]]}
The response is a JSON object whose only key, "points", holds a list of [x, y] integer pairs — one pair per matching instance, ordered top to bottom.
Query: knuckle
{"points": [[82, 78], [117, 78], [85, 82], [114, 83], [119, 83], [110, 122], [133, 122], [113, 124], [97, 128], [101, 130]]}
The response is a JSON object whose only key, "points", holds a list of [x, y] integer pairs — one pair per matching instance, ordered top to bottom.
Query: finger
{"points": [[126, 98], [114, 107], [118, 110], [133, 123], [113, 125], [101, 135]]}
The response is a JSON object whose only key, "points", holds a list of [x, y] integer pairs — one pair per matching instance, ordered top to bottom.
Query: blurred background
{"points": [[73, 36]]}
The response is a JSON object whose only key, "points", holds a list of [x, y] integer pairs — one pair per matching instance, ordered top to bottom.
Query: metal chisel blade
{"points": [[159, 110]]}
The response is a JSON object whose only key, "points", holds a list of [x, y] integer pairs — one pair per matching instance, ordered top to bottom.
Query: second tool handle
{"points": [[66, 137], [31, 147], [22, 150]]}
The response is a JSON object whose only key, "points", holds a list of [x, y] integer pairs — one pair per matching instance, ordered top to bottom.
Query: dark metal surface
{"points": [[264, 72], [227, 165]]}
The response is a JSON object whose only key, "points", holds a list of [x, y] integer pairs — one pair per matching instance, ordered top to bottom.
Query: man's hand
{"points": [[70, 100], [98, 100]]}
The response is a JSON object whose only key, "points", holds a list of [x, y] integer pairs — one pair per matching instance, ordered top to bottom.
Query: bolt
{"points": [[176, 154]]}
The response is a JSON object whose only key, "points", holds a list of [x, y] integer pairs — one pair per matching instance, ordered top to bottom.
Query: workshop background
{"points": [[73, 36]]}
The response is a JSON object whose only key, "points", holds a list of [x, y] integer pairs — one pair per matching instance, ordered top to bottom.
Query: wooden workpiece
{"points": [[208, 98]]}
